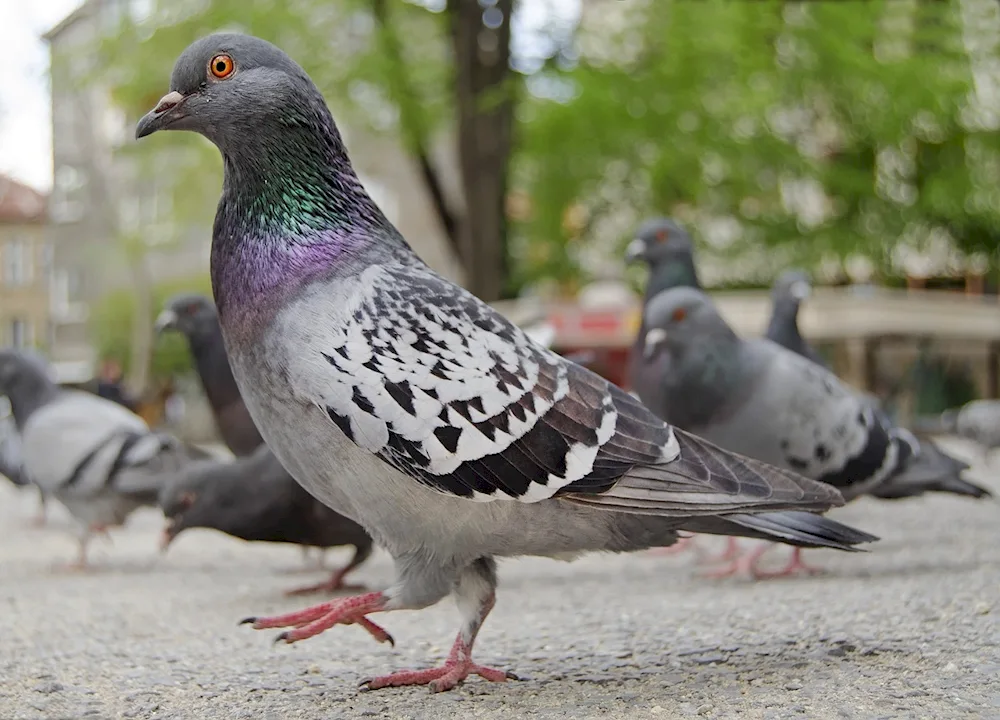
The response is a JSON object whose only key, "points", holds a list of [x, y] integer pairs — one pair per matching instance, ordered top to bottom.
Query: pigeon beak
{"points": [[162, 116], [636, 250], [801, 290], [166, 320], [654, 338]]}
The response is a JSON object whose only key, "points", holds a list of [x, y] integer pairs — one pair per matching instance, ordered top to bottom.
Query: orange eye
{"points": [[222, 66], [661, 236], [678, 314]]}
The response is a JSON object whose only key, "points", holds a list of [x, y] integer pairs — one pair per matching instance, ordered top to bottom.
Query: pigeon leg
{"points": [[40, 517], [684, 543], [731, 552], [745, 564], [795, 566], [336, 581], [475, 594], [312, 621]]}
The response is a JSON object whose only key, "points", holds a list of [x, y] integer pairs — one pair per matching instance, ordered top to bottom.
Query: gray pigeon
{"points": [[668, 250], [788, 292], [195, 317], [759, 399], [414, 408], [978, 421], [96, 457], [929, 469], [254, 498]]}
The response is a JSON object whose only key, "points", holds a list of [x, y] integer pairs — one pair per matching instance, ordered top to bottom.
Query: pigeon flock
{"points": [[369, 401]]}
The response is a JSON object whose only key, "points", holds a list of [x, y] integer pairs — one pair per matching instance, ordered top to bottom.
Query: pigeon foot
{"points": [[683, 544], [742, 565], [795, 566], [334, 584], [314, 620], [456, 669]]}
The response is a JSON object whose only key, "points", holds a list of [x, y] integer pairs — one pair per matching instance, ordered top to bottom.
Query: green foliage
{"points": [[708, 111], [111, 327]]}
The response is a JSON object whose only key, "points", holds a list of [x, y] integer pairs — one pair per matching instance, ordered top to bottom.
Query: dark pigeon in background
{"points": [[668, 251], [788, 293], [195, 317], [762, 400], [411, 406], [96, 457], [929, 469], [254, 498]]}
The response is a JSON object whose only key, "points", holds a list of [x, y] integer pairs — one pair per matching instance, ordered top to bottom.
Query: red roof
{"points": [[20, 203]]}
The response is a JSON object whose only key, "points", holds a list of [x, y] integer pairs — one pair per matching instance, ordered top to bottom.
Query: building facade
{"points": [[99, 193], [24, 267]]}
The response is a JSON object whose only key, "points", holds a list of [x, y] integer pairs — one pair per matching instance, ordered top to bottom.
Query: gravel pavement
{"points": [[908, 630]]}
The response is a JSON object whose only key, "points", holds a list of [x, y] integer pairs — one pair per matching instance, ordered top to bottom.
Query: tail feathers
{"points": [[901, 489], [792, 527]]}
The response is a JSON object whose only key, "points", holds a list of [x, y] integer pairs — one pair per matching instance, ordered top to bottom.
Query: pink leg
{"points": [[682, 544], [731, 552], [745, 564], [795, 566], [336, 581], [334, 584], [314, 620], [456, 668]]}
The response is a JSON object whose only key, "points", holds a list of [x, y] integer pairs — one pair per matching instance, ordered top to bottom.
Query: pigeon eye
{"points": [[222, 66], [661, 236], [678, 314]]}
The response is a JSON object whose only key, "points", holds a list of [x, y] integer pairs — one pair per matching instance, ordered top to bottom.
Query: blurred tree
{"points": [[404, 68], [813, 129], [113, 322]]}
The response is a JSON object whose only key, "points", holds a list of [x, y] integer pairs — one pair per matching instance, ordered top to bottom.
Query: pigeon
{"points": [[667, 249], [790, 289], [195, 316], [758, 398], [412, 407], [978, 421], [10, 452], [96, 457], [929, 469], [254, 498]]}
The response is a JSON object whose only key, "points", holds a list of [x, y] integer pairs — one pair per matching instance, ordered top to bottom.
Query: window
{"points": [[17, 265], [20, 333]]}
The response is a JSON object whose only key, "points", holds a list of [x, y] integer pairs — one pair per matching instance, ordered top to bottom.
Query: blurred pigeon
{"points": [[667, 249], [787, 294], [195, 317], [759, 399], [410, 405], [978, 421], [96, 457], [10, 459], [929, 469], [254, 498]]}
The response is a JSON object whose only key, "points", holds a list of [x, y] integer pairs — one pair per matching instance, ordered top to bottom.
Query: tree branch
{"points": [[413, 122]]}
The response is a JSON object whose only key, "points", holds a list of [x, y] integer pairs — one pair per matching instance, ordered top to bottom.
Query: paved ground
{"points": [[907, 631]]}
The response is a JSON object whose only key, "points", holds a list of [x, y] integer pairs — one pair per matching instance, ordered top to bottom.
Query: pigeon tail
{"points": [[801, 529]]}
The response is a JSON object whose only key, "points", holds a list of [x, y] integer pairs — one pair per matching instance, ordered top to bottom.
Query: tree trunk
{"points": [[484, 94]]}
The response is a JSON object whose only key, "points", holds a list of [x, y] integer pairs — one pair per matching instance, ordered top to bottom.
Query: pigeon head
{"points": [[230, 87], [292, 208], [659, 241], [668, 251], [791, 285], [188, 313], [681, 318], [24, 379], [193, 499]]}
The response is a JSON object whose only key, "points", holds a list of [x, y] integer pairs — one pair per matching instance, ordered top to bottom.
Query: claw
{"points": [[247, 621]]}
